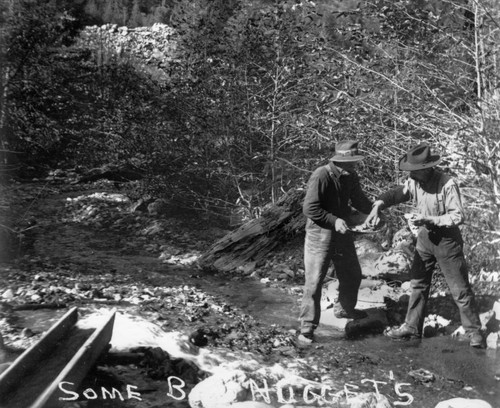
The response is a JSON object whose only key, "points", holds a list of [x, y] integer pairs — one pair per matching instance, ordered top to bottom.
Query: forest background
{"points": [[231, 104]]}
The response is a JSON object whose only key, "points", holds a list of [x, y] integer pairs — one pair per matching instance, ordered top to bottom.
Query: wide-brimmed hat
{"points": [[346, 151], [419, 158]]}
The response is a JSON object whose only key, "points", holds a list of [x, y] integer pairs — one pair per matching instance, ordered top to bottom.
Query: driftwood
{"points": [[257, 238]]}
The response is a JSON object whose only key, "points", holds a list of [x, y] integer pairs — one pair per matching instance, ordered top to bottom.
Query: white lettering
{"points": [[374, 384], [178, 387], [324, 389], [307, 390], [264, 392], [348, 392], [74, 394], [90, 394], [112, 394], [132, 394], [402, 394], [282, 400]]}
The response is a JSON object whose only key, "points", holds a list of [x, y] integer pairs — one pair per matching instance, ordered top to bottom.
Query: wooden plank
{"points": [[30, 357], [76, 370]]}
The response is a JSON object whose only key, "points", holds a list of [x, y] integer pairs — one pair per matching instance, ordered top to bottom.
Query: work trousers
{"points": [[443, 246], [321, 247]]}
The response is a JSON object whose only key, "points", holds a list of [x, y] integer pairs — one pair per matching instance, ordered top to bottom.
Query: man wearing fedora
{"points": [[331, 190], [436, 197]]}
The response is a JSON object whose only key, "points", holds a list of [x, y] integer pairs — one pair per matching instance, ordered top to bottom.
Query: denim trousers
{"points": [[321, 247], [444, 247]]}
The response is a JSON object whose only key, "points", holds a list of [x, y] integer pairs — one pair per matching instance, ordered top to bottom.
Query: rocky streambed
{"points": [[187, 337]]}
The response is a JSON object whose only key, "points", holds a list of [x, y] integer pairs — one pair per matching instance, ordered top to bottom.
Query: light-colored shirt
{"points": [[439, 199]]}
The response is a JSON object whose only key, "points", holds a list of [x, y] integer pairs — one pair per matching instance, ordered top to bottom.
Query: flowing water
{"points": [[440, 368], [457, 369]]}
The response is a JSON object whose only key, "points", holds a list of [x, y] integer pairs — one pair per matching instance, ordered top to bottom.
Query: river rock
{"points": [[158, 207], [365, 246], [393, 265], [8, 294], [329, 294], [372, 294], [373, 297], [496, 310], [375, 322], [489, 323], [434, 324], [492, 341], [219, 389], [369, 400], [463, 403]]}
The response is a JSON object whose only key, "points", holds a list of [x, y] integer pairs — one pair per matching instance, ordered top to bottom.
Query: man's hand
{"points": [[373, 218], [420, 220], [341, 226]]}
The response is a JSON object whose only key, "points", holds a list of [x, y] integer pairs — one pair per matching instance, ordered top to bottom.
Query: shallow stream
{"points": [[440, 368]]}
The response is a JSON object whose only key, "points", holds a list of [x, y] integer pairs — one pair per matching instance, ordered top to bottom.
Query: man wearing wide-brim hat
{"points": [[331, 190], [436, 197]]}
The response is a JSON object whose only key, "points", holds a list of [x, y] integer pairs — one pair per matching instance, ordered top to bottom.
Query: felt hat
{"points": [[346, 151], [419, 158]]}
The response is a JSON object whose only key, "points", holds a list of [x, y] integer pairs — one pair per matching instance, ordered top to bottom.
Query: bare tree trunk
{"points": [[477, 39], [3, 115], [273, 137]]}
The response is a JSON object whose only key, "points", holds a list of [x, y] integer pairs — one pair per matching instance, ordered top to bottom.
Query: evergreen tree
{"points": [[92, 9], [112, 12], [124, 13], [135, 19]]}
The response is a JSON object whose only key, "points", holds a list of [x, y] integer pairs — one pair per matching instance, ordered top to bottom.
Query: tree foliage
{"points": [[256, 94], [30, 103]]}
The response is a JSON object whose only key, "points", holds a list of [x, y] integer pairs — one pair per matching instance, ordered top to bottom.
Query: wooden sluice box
{"points": [[64, 353]]}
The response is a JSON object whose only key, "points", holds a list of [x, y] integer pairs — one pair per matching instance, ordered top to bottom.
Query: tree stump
{"points": [[254, 240]]}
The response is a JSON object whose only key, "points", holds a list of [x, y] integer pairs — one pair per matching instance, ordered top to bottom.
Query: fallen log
{"points": [[254, 240], [248, 246]]}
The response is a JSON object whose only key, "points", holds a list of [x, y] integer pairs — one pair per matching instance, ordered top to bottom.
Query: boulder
{"points": [[158, 207], [366, 246], [393, 265], [330, 293], [8, 294], [372, 294], [371, 299], [496, 310], [328, 319], [375, 322], [489, 322], [434, 324], [492, 341], [225, 388], [369, 400], [463, 403]]}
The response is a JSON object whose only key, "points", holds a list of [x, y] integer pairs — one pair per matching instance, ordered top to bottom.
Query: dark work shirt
{"points": [[330, 192]]}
